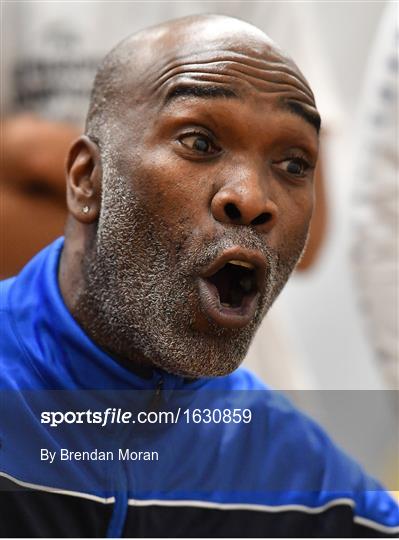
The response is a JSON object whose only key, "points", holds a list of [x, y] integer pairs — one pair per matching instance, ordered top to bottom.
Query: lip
{"points": [[232, 317]]}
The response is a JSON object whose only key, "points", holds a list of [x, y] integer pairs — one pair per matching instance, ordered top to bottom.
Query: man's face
{"points": [[207, 197]]}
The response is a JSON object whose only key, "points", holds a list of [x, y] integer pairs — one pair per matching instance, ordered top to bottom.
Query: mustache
{"points": [[235, 237]]}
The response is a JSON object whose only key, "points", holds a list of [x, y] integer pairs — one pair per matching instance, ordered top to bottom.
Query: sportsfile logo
{"points": [[119, 416]]}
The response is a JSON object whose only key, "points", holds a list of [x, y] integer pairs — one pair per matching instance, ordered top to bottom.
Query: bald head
{"points": [[145, 65]]}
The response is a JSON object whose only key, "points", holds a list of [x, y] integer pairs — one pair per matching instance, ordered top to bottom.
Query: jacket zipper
{"points": [[156, 399], [119, 514]]}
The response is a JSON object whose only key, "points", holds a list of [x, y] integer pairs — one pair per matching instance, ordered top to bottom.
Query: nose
{"points": [[245, 201]]}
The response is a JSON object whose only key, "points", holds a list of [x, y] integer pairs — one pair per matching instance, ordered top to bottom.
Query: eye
{"points": [[199, 143], [295, 166]]}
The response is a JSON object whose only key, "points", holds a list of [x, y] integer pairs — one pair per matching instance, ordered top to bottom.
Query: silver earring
{"points": [[85, 209]]}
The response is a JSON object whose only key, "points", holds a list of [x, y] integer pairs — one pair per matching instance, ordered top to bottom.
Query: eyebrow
{"points": [[216, 91], [207, 92], [297, 108]]}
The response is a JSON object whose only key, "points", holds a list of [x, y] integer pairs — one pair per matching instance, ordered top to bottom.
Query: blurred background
{"points": [[332, 336]]}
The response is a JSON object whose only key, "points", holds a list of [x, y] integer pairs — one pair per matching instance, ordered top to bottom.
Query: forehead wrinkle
{"points": [[228, 55], [275, 62], [271, 69], [272, 75], [273, 78], [191, 80], [264, 80], [285, 90]]}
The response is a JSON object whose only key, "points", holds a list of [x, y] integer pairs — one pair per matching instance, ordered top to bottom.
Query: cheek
{"points": [[169, 189], [170, 201], [298, 203], [302, 211], [295, 214]]}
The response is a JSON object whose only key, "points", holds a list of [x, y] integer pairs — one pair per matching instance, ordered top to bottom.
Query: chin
{"points": [[210, 357]]}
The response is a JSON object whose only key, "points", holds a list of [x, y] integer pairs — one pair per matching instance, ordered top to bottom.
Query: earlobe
{"points": [[83, 174]]}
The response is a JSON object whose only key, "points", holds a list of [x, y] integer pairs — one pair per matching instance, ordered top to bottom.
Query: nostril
{"points": [[232, 211], [262, 218]]}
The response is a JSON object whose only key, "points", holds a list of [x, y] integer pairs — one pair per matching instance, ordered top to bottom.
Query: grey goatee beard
{"points": [[140, 294]]}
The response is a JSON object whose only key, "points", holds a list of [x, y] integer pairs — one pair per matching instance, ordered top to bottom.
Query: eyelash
{"points": [[199, 134], [304, 163]]}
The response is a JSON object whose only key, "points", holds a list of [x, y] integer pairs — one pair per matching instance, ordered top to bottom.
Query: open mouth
{"points": [[235, 281], [230, 288]]}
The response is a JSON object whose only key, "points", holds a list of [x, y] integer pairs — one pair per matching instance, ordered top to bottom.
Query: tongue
{"points": [[246, 284]]}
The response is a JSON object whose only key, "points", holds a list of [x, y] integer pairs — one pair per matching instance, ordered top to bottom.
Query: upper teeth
{"points": [[242, 263]]}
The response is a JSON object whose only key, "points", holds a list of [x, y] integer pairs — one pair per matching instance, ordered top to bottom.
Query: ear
{"points": [[84, 174]]}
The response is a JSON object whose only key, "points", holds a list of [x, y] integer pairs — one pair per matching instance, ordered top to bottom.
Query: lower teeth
{"points": [[225, 304]]}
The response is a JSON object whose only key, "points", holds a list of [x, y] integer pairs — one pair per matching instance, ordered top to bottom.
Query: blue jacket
{"points": [[277, 475]]}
